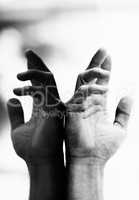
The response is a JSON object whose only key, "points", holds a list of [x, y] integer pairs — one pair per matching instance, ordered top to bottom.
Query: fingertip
{"points": [[102, 51], [29, 53], [98, 58], [35, 62], [107, 63], [20, 76], [14, 91], [17, 91], [13, 102], [125, 104], [15, 112], [123, 112]]}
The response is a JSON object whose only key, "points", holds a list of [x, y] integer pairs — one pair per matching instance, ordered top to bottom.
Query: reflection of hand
{"points": [[89, 133], [41, 138], [91, 139]]}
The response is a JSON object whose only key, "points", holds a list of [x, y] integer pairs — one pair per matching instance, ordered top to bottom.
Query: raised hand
{"points": [[89, 132], [41, 138]]}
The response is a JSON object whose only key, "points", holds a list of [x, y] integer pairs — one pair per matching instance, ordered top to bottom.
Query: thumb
{"points": [[123, 112], [16, 114]]}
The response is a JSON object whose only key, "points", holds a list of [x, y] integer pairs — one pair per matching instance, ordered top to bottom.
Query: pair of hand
{"points": [[82, 122]]}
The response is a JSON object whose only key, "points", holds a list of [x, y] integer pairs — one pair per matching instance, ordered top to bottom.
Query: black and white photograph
{"points": [[69, 99]]}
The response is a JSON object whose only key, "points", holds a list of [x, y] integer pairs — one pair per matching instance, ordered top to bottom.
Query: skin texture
{"points": [[91, 138], [40, 140]]}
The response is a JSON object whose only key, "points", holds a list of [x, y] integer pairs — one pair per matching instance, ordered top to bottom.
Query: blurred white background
{"points": [[67, 33]]}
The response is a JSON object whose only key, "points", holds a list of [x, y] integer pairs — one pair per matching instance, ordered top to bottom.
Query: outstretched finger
{"points": [[95, 73], [41, 77], [45, 78], [28, 90], [40, 95]]}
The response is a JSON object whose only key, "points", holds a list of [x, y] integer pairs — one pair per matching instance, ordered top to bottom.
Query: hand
{"points": [[89, 132], [41, 138]]}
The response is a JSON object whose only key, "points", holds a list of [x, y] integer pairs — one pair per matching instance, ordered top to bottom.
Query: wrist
{"points": [[38, 160], [90, 160], [91, 164], [84, 179], [46, 180]]}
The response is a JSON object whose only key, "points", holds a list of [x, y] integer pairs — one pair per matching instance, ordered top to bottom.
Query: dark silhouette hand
{"points": [[41, 138]]}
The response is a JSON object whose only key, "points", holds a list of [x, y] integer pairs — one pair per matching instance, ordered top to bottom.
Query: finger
{"points": [[98, 59], [35, 62], [106, 65], [91, 75], [43, 77], [79, 83], [28, 90], [86, 91], [36, 93], [41, 96], [76, 108], [123, 112], [16, 114]]}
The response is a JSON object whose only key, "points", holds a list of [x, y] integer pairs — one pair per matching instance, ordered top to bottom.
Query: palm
{"points": [[38, 138]]}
